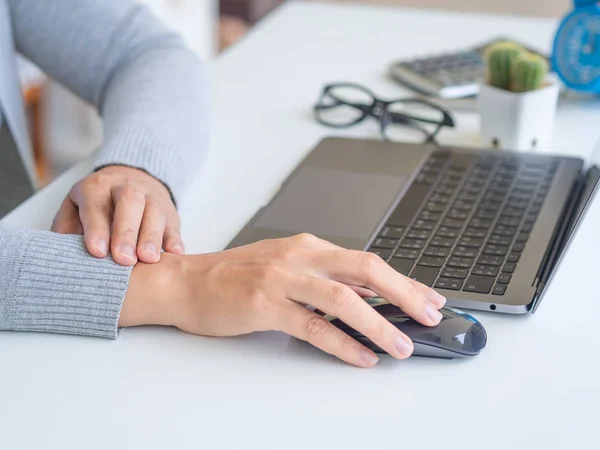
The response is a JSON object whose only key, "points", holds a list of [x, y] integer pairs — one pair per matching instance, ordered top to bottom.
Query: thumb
{"points": [[67, 219]]}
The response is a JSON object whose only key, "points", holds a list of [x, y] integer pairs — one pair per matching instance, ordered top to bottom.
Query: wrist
{"points": [[156, 294]]}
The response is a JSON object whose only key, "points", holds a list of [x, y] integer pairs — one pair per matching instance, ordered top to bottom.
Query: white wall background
{"points": [[72, 128]]}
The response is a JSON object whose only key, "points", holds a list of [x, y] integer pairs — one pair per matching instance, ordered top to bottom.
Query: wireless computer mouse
{"points": [[457, 335]]}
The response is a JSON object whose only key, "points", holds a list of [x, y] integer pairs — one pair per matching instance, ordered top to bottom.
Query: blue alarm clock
{"points": [[576, 54]]}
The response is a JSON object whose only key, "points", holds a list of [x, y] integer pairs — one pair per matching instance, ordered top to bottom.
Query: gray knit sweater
{"points": [[150, 91]]}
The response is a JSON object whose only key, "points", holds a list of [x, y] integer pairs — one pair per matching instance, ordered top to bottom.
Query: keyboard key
{"points": [[426, 179], [442, 190], [466, 197], [494, 197], [440, 198], [518, 204], [409, 205], [462, 206], [489, 206], [435, 207], [513, 212], [456, 214], [483, 214], [429, 216], [509, 221], [453, 223], [483, 224], [423, 225], [502, 230], [392, 232], [447, 232], [475, 233], [418, 234], [522, 237], [499, 240], [442, 242], [470, 242], [384, 243], [416, 244], [518, 247], [498, 250], [440, 252], [465, 252], [383, 253], [407, 253], [513, 257], [491, 260], [431, 261], [463, 263], [402, 265], [509, 267], [486, 271], [454, 272], [425, 275], [504, 278], [452, 284], [479, 284], [499, 289]]}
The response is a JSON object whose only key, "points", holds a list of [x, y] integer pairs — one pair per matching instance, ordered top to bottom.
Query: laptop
{"points": [[485, 228]]}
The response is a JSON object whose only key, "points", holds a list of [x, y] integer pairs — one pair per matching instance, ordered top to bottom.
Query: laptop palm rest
{"points": [[341, 192]]}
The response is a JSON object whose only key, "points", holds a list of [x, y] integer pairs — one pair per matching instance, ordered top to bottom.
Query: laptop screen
{"points": [[588, 190]]}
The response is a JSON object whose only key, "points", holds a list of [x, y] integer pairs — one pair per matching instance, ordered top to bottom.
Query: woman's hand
{"points": [[124, 210], [266, 286]]}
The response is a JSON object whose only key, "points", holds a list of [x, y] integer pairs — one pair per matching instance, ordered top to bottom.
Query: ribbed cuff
{"points": [[143, 149], [60, 288]]}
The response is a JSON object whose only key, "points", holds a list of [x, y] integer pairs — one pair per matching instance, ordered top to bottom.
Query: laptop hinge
{"points": [[560, 237]]}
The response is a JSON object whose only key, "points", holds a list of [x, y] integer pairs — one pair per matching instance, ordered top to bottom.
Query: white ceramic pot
{"points": [[518, 121]]}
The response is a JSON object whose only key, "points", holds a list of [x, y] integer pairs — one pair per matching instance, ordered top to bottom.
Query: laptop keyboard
{"points": [[466, 219]]}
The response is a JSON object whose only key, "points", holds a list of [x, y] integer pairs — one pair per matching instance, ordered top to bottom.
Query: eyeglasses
{"points": [[343, 105]]}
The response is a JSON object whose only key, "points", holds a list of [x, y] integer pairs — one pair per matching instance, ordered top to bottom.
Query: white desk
{"points": [[535, 386]]}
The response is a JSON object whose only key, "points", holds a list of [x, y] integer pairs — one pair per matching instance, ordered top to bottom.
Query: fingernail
{"points": [[102, 246], [151, 248], [177, 248], [128, 252], [437, 299], [433, 313], [404, 346], [368, 357]]}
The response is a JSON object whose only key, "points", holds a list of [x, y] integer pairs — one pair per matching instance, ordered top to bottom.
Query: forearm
{"points": [[150, 89], [155, 114], [50, 283]]}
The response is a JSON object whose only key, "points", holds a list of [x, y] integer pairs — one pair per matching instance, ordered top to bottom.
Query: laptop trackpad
{"points": [[336, 205]]}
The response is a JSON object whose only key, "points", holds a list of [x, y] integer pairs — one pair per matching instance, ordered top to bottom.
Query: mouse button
{"points": [[475, 339]]}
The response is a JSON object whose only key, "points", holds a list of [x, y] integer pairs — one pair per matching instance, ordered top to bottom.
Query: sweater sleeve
{"points": [[148, 86], [50, 283]]}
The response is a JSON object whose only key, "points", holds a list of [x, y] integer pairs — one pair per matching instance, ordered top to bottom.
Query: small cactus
{"points": [[500, 60], [511, 67], [528, 73]]}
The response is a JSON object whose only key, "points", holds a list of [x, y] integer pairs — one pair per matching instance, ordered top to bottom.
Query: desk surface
{"points": [[535, 386]]}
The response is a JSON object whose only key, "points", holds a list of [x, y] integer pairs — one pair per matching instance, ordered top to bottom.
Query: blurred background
{"points": [[64, 130]]}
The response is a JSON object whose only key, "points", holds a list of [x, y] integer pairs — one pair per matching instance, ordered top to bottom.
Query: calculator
{"points": [[449, 75]]}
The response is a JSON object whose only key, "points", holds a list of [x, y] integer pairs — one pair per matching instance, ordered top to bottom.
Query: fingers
{"points": [[129, 211], [95, 212], [67, 220], [151, 235], [173, 242], [369, 270], [363, 292], [341, 301], [309, 326]]}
